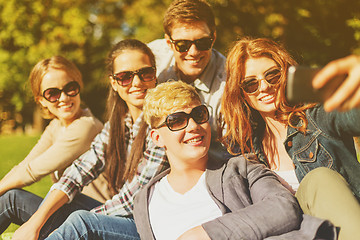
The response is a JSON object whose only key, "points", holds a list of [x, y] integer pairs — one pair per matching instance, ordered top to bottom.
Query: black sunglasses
{"points": [[202, 44], [145, 74], [271, 76], [71, 89], [180, 120]]}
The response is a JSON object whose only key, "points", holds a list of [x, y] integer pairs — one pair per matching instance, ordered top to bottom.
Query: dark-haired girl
{"points": [[123, 150]]}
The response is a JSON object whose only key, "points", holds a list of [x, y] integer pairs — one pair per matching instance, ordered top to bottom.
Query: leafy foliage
{"points": [[80, 30], [314, 31]]}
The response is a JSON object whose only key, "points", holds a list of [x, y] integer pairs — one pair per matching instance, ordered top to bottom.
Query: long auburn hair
{"points": [[239, 119], [119, 167]]}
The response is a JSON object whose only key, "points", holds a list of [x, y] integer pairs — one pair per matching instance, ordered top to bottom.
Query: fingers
{"points": [[336, 67], [347, 96], [353, 102]]}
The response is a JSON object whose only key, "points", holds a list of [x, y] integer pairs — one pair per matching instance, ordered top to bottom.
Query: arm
{"points": [[348, 94], [340, 125], [56, 150], [154, 161], [86, 168], [82, 171], [259, 205], [31, 229]]}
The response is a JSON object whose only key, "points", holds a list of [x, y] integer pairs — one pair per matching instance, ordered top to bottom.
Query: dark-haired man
{"points": [[187, 54]]}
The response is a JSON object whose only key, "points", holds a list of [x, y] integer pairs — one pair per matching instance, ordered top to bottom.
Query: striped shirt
{"points": [[89, 165]]}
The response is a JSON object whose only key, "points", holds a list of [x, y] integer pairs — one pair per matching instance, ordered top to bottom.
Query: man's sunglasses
{"points": [[202, 44], [145, 74], [271, 76], [71, 89], [180, 120]]}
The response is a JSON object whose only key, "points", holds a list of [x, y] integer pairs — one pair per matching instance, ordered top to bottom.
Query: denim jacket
{"points": [[328, 142]]}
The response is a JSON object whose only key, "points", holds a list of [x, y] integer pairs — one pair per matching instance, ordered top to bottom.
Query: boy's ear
{"points": [[167, 37], [155, 136]]}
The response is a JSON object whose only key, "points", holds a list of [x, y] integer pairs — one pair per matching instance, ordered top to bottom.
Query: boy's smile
{"points": [[186, 146]]}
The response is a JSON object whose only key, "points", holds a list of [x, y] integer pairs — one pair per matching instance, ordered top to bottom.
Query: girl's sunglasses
{"points": [[202, 44], [145, 74], [251, 84], [71, 89], [180, 120]]}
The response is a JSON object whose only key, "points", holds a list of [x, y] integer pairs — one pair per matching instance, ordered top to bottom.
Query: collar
{"points": [[205, 80], [129, 122]]}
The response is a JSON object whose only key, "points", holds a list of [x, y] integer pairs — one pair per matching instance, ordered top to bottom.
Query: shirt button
{"points": [[289, 144], [311, 155]]}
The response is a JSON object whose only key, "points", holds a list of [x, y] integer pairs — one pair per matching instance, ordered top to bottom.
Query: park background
{"points": [[314, 31]]}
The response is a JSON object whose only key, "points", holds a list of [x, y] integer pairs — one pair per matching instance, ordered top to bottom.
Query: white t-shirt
{"points": [[289, 180], [171, 213]]}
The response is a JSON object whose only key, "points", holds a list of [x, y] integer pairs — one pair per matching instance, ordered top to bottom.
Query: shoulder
{"points": [[157, 43], [160, 47], [220, 58], [220, 62], [316, 111], [319, 117], [86, 123], [53, 124], [242, 163], [248, 167], [143, 194]]}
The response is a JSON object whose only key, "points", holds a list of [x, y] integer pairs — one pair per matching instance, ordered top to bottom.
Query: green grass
{"points": [[13, 150]]}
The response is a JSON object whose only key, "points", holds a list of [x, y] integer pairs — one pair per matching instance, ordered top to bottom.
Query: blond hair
{"points": [[42, 68], [167, 97]]}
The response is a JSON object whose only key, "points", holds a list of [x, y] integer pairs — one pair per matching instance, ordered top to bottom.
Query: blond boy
{"points": [[198, 198]]}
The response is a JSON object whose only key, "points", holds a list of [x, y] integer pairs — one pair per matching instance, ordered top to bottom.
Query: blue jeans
{"points": [[17, 206], [87, 225]]}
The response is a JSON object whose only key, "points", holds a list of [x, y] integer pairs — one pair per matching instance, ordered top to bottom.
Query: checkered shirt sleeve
{"points": [[154, 161], [89, 165], [86, 168]]}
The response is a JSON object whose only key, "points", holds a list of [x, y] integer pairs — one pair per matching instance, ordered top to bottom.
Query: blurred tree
{"points": [[145, 17], [83, 31], [314, 31]]}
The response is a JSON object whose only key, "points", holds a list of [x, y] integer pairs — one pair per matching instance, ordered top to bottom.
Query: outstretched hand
{"points": [[347, 96]]}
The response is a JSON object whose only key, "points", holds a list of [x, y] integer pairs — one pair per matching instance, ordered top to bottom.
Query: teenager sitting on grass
{"points": [[55, 83], [311, 150], [123, 151], [198, 198], [206, 199]]}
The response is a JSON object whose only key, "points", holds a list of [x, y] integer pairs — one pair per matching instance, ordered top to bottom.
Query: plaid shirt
{"points": [[89, 165]]}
